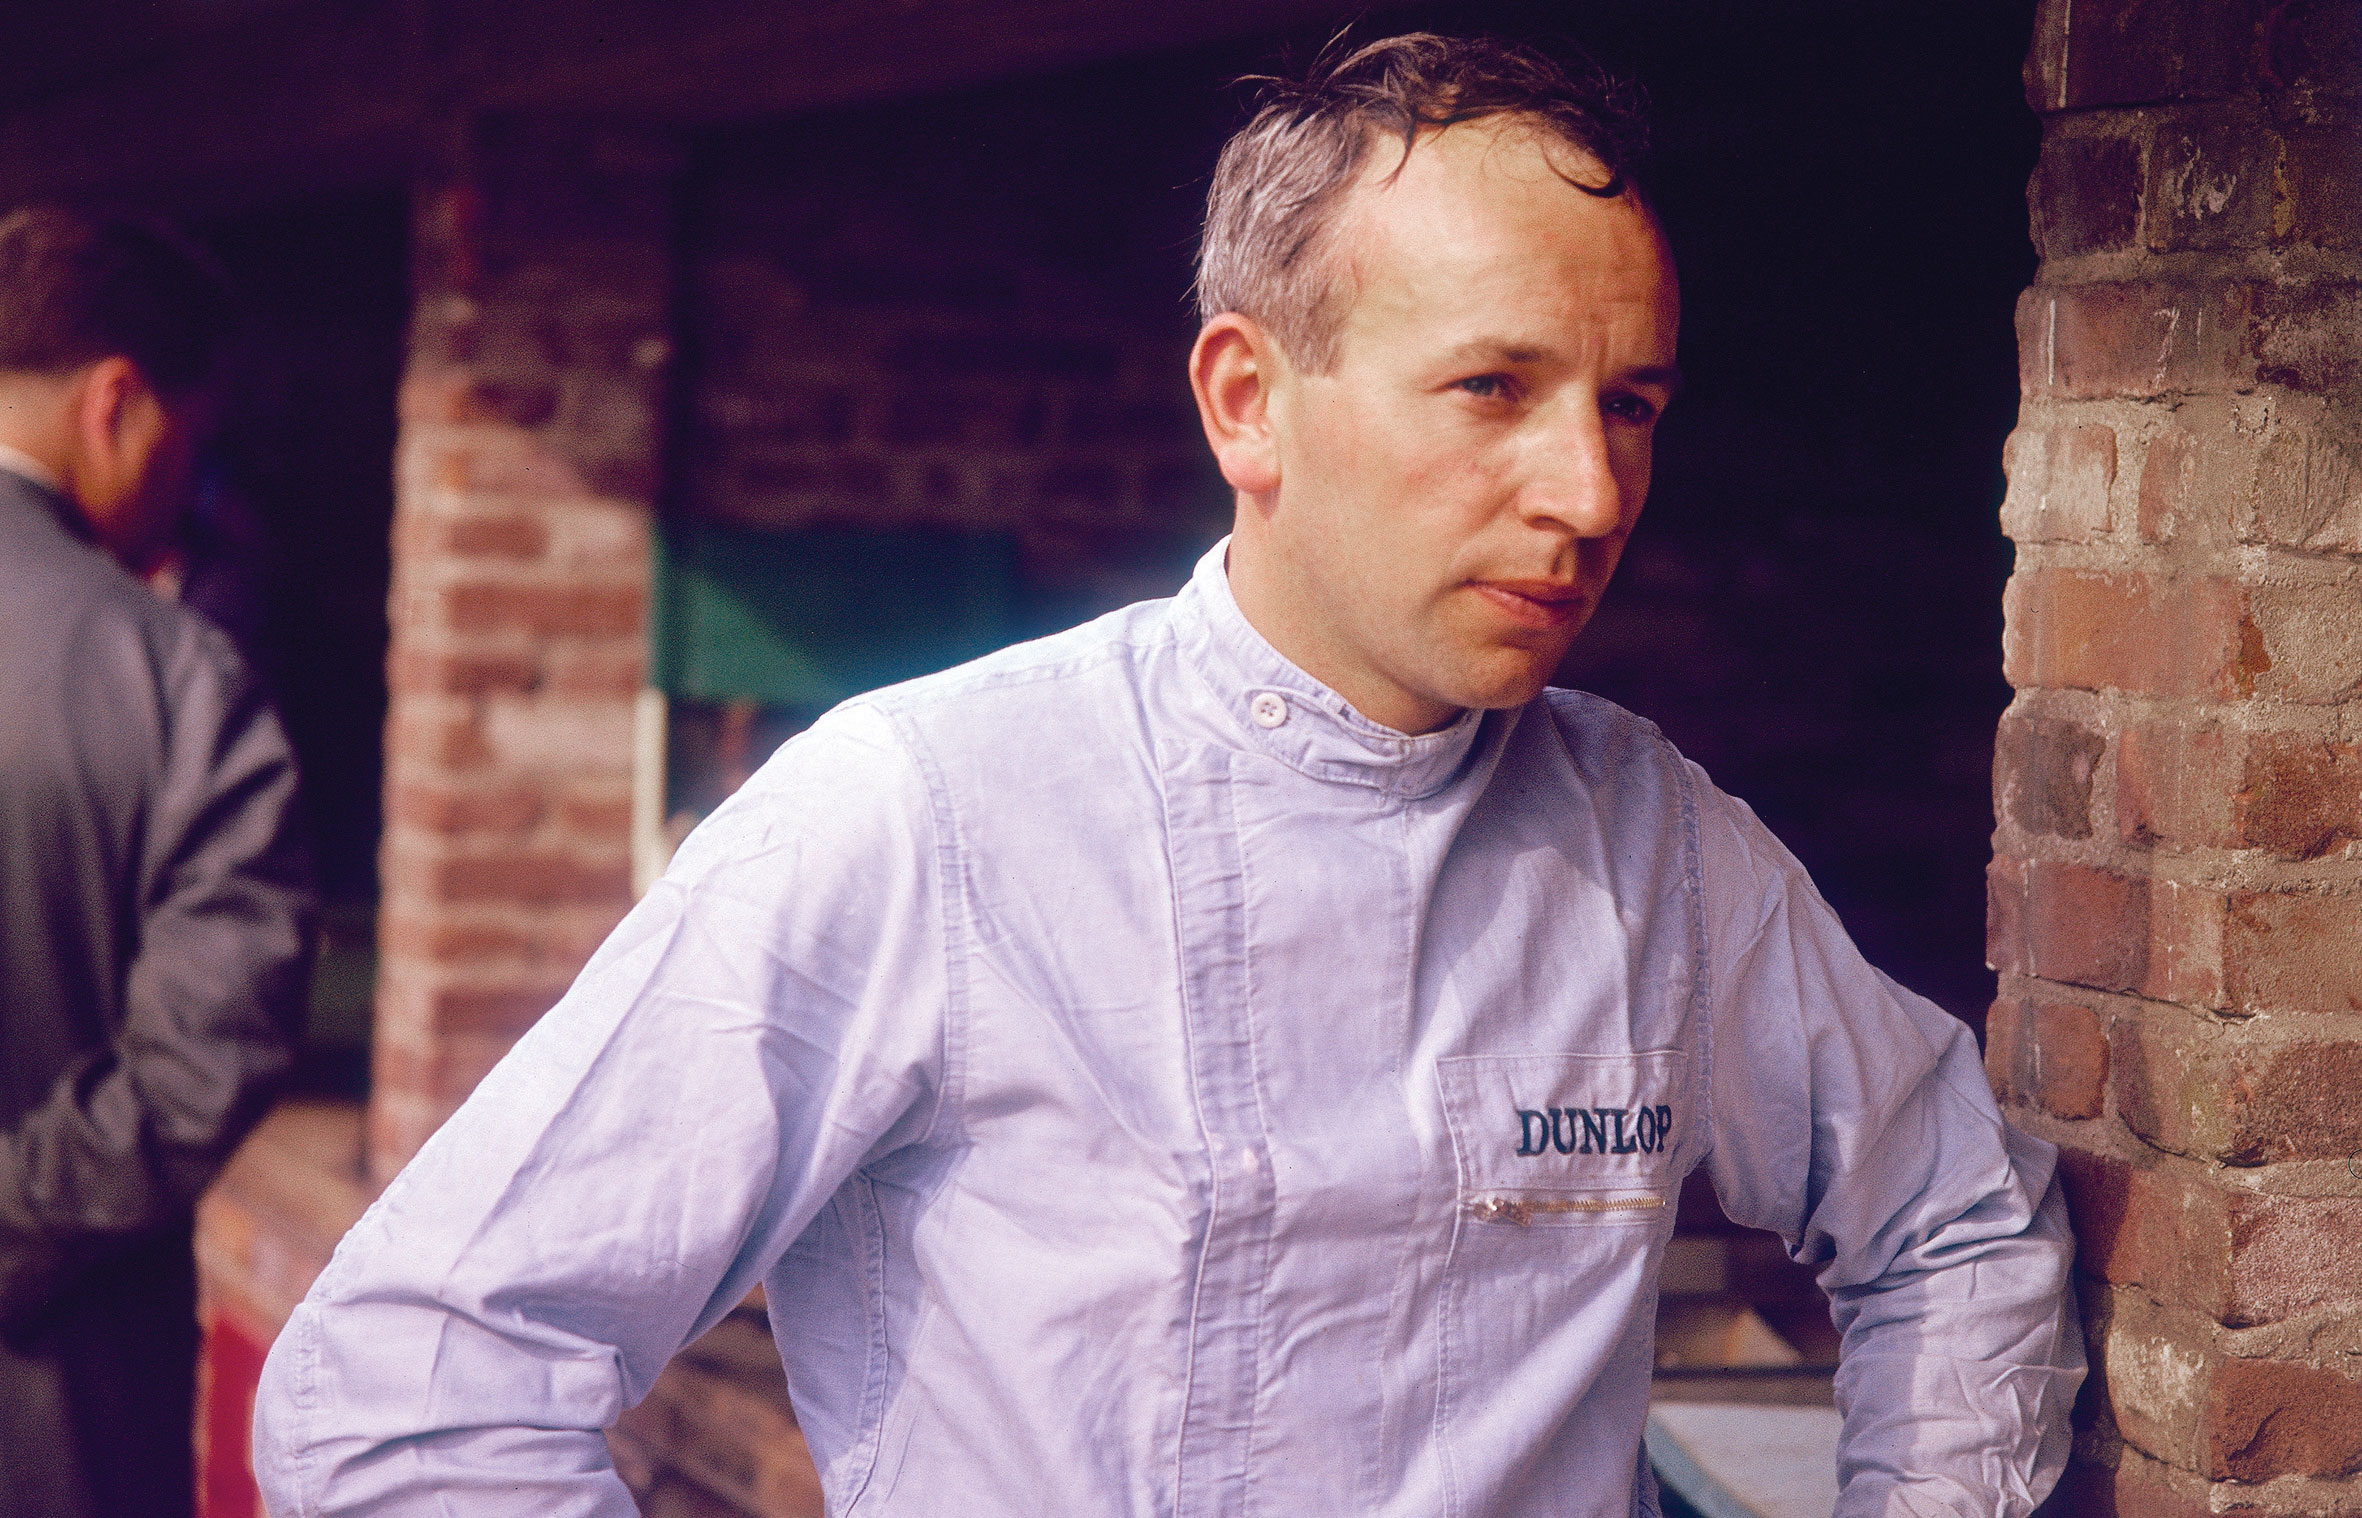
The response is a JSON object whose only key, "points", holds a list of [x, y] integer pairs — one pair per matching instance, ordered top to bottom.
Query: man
{"points": [[154, 916], [1238, 1057]]}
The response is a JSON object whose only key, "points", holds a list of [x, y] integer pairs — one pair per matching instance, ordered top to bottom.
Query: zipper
{"points": [[1502, 1209]]}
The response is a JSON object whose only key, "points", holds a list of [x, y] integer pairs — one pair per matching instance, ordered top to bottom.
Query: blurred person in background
{"points": [[155, 904]]}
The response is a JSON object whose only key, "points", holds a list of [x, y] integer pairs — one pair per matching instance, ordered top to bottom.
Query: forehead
{"points": [[1480, 225]]}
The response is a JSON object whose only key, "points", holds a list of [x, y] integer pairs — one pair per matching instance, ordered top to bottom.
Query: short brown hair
{"points": [[1282, 179], [78, 286]]}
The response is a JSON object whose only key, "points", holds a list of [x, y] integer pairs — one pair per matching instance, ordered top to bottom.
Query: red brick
{"points": [[2132, 52], [2318, 175], [2213, 176], [2085, 196], [2308, 337], [2135, 340], [464, 396], [504, 466], [2198, 478], [2058, 483], [2165, 483], [2308, 491], [507, 535], [545, 611], [2129, 631], [2304, 642], [617, 668], [443, 672], [434, 736], [2042, 772], [2174, 784], [2299, 797], [505, 809], [596, 817], [518, 875], [2068, 922], [546, 937], [440, 938], [2186, 945], [2294, 951], [488, 1010], [2048, 1054], [2168, 1085], [2300, 1102], [2152, 1226], [2289, 1255], [2241, 1258], [2154, 1359], [2265, 1418], [2137, 1487]]}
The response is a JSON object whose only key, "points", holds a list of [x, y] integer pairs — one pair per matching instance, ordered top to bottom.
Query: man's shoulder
{"points": [[69, 607], [1046, 690], [996, 721], [1605, 740], [1624, 756], [1627, 762]]}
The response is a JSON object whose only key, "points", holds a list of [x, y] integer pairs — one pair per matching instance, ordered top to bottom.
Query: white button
{"points": [[1267, 709]]}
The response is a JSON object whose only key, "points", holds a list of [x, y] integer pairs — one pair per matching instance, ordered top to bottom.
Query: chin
{"points": [[1497, 690]]}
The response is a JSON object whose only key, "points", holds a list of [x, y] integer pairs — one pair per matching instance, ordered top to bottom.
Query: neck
{"points": [[35, 431], [18, 462], [1262, 586]]}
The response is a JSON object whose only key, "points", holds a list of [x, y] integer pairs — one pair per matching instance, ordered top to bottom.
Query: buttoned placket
{"points": [[1278, 713]]}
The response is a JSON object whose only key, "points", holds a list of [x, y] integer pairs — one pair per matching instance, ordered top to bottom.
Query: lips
{"points": [[1544, 605]]}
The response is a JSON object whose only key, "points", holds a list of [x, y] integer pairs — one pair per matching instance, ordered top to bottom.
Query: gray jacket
{"points": [[155, 929]]}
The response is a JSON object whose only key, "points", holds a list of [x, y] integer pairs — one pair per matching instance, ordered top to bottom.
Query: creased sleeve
{"points": [[220, 921], [765, 1022], [1852, 1118]]}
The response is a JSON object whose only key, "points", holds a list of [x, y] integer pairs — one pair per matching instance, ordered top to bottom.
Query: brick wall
{"points": [[945, 329], [528, 466], [2176, 894]]}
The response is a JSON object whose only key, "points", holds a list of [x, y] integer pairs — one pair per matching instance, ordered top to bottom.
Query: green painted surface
{"points": [[806, 619]]}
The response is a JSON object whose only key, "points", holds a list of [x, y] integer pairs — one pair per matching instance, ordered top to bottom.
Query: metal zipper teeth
{"points": [[1501, 1209]]}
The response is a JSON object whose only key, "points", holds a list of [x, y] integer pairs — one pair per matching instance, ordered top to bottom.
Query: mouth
{"points": [[1543, 605]]}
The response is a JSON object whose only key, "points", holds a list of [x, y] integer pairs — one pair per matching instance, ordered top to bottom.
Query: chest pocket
{"points": [[1567, 1140]]}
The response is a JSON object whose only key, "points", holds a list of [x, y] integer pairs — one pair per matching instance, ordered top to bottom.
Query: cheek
{"points": [[1633, 460]]}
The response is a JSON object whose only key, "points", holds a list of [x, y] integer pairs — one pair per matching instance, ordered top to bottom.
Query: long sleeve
{"points": [[216, 922], [768, 1020], [1938, 1230]]}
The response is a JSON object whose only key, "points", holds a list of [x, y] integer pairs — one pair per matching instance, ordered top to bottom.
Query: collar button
{"points": [[1268, 709]]}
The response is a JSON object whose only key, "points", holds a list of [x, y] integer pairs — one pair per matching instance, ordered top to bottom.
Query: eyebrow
{"points": [[1498, 350], [1668, 375]]}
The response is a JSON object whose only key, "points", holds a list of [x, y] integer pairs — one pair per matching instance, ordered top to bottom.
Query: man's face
{"points": [[1453, 495]]}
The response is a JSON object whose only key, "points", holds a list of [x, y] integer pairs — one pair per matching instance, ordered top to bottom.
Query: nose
{"points": [[1571, 481]]}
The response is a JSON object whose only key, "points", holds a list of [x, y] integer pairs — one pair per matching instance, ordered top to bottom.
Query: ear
{"points": [[1231, 371], [103, 401]]}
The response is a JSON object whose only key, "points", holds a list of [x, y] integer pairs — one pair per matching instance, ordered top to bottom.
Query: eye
{"points": [[1487, 387], [1627, 407]]}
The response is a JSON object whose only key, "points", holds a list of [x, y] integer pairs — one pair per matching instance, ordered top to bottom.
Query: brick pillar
{"points": [[526, 475], [2177, 883]]}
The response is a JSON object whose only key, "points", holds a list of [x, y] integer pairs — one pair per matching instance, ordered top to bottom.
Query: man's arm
{"points": [[767, 1020], [1853, 1118], [132, 1132]]}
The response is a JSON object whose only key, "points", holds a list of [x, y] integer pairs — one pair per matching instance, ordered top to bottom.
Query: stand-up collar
{"points": [[1284, 712]]}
